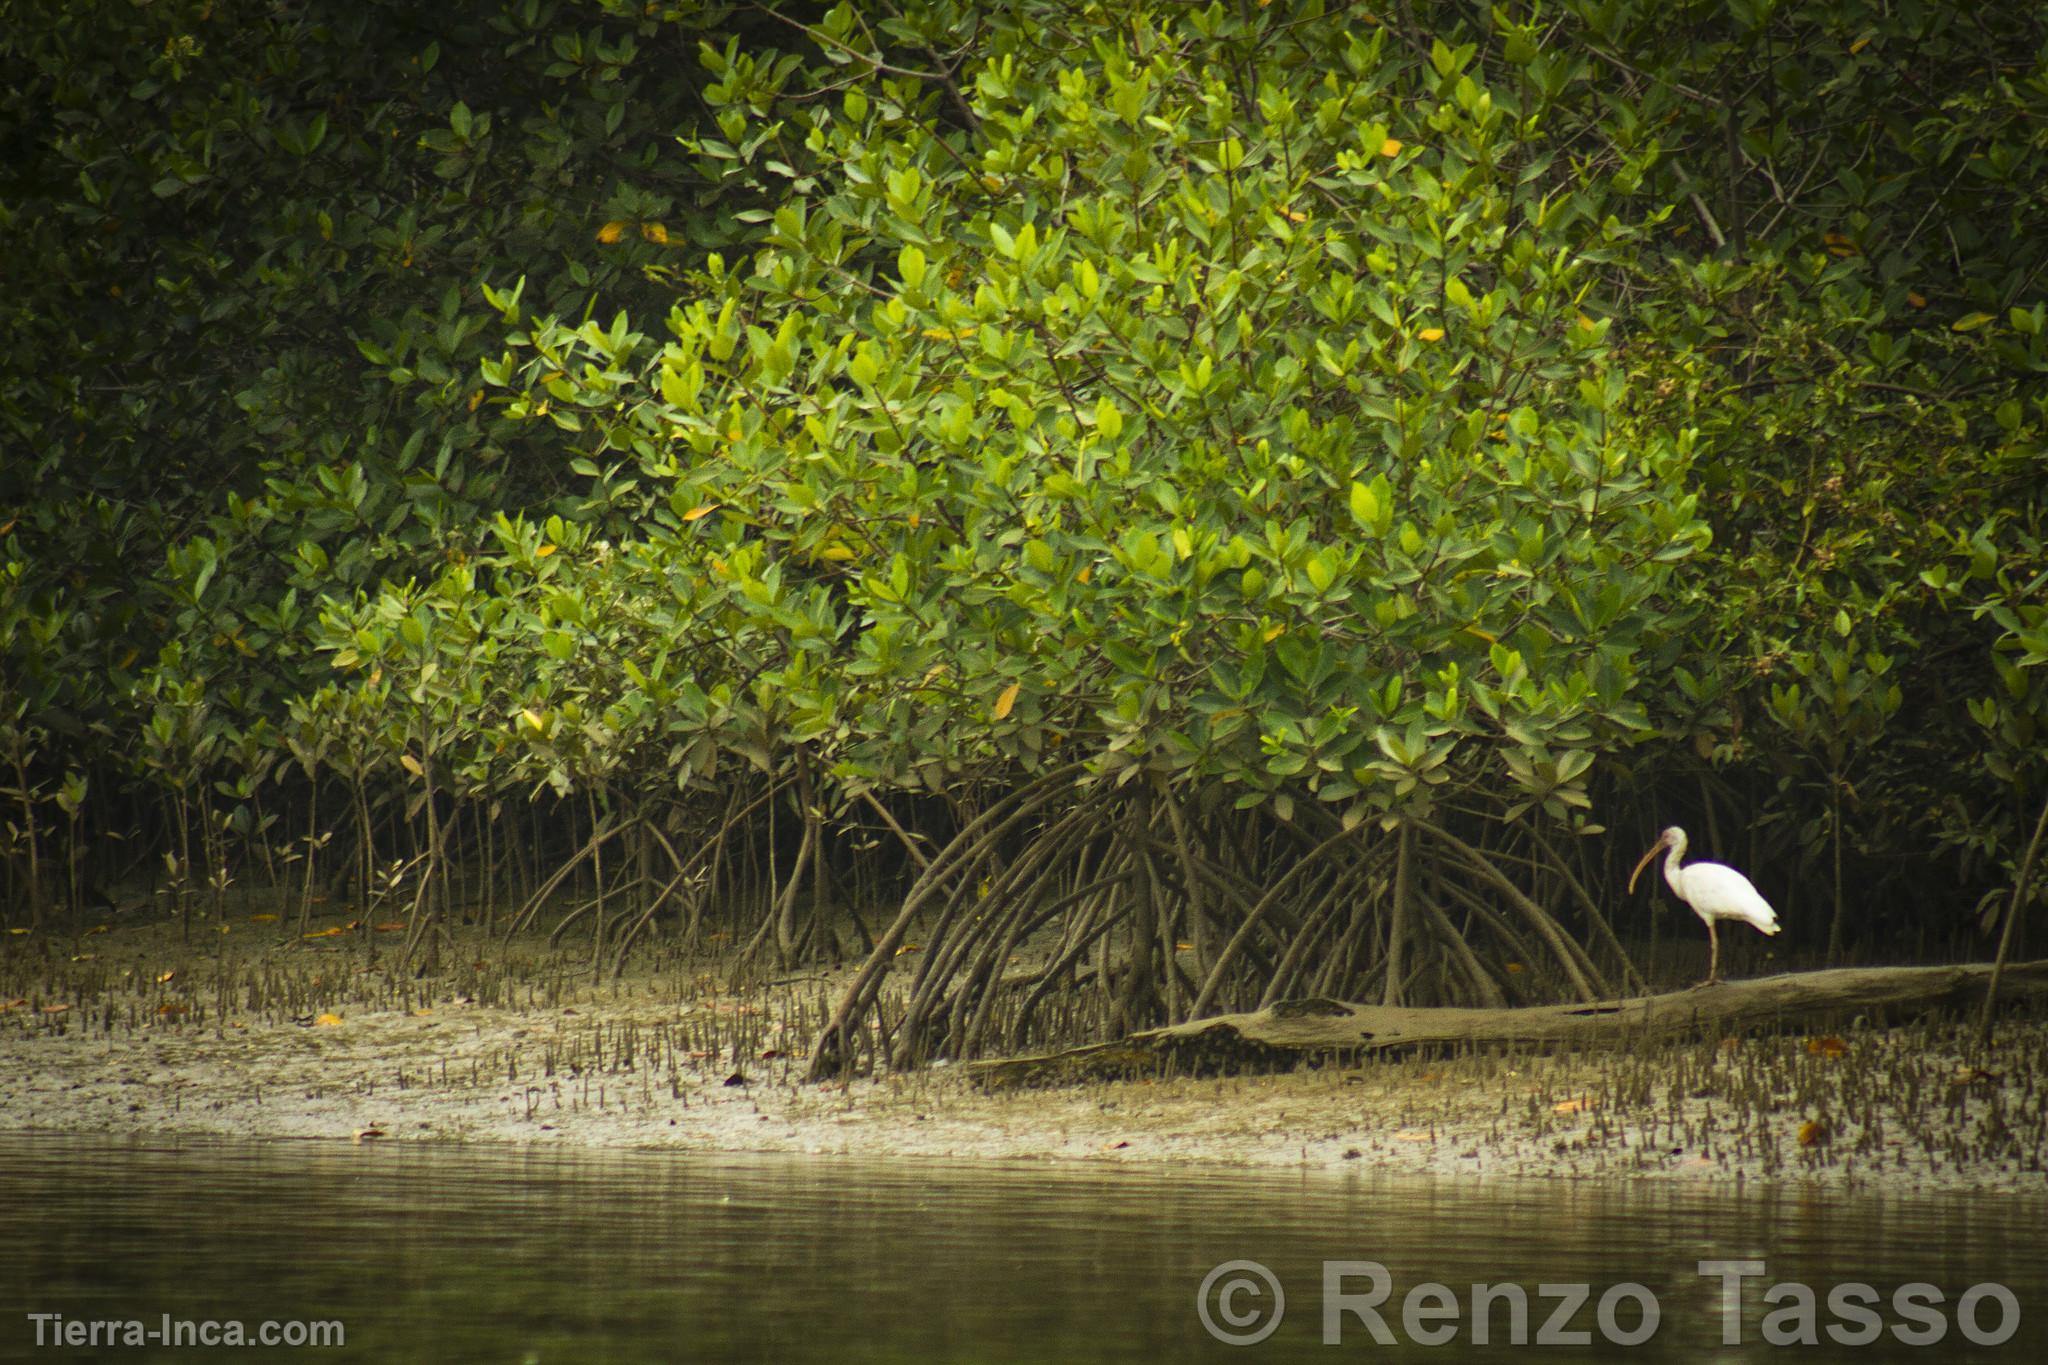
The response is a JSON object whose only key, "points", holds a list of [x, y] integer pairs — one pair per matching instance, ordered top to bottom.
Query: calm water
{"points": [[453, 1255]]}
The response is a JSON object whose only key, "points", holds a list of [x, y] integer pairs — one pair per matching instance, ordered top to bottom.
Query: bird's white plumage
{"points": [[1715, 891]]}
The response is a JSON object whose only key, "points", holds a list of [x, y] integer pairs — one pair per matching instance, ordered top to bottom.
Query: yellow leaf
{"points": [[1858, 45], [1391, 147], [1294, 217], [611, 232], [654, 232], [1840, 245], [1915, 300], [1969, 323], [1586, 324], [948, 333], [1431, 334], [475, 399], [700, 512], [544, 551], [1087, 572], [1273, 632], [1007, 700], [533, 719], [410, 764], [263, 919], [908, 948], [1514, 968], [162, 977], [327, 1021], [1829, 1047], [1574, 1106], [1813, 1133]]}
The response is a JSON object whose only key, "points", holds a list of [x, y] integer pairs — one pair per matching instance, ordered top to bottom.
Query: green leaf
{"points": [[910, 266], [1109, 419], [1365, 508]]}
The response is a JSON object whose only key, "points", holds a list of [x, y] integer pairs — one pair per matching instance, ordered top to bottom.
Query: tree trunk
{"points": [[1293, 1026]]}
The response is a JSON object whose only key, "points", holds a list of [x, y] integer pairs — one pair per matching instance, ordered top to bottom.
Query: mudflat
{"points": [[258, 1032]]}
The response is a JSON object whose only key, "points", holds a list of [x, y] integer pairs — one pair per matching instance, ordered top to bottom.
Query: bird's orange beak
{"points": [[1642, 863]]}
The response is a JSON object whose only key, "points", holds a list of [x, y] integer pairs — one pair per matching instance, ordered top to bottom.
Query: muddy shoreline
{"points": [[249, 1034]]}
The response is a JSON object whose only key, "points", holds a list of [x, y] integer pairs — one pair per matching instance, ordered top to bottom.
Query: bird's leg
{"points": [[1713, 954]]}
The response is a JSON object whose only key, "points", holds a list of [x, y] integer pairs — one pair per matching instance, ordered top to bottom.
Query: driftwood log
{"points": [[1310, 1026]]}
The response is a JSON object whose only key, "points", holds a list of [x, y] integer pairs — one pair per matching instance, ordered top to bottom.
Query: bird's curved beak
{"points": [[1642, 863]]}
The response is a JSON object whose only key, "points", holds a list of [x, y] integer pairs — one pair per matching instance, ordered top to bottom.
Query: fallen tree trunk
{"points": [[1297, 1026]]}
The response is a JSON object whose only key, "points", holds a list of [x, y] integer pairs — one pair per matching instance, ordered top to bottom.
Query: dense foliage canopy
{"points": [[1234, 500]]}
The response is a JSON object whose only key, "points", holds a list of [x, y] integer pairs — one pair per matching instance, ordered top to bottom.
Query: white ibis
{"points": [[1713, 890]]}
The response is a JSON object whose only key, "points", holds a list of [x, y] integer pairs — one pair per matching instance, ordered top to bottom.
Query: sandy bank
{"points": [[136, 1034]]}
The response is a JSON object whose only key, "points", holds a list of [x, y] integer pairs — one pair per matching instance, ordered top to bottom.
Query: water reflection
{"points": [[451, 1254]]}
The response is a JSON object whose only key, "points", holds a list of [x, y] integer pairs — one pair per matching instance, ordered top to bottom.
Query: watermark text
{"points": [[1242, 1303], [61, 1329]]}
